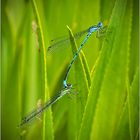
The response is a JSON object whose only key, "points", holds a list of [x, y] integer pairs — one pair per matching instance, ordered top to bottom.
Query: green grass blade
{"points": [[106, 7], [134, 48], [12, 68], [86, 68], [105, 89], [117, 94], [111, 99], [133, 103], [77, 108], [47, 122], [128, 124], [123, 132]]}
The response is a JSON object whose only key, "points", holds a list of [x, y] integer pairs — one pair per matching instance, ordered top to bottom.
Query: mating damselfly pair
{"points": [[67, 88]]}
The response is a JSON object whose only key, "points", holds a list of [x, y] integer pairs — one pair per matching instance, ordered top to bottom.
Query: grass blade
{"points": [[86, 68], [82, 86], [102, 87], [133, 104], [47, 122]]}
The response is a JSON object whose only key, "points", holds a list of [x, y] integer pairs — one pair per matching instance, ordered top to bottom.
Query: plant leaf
{"points": [[86, 68], [108, 85], [133, 103], [77, 108], [47, 122]]}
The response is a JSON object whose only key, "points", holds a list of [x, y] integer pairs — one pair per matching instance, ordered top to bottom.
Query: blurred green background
{"points": [[105, 74]]}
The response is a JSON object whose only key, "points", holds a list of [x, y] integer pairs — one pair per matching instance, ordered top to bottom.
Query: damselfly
{"points": [[36, 112]]}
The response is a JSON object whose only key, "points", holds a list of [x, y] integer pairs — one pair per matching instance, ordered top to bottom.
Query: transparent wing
{"points": [[62, 41], [33, 114]]}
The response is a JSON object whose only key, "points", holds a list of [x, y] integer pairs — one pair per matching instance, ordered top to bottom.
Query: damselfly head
{"points": [[100, 25], [95, 27], [69, 85]]}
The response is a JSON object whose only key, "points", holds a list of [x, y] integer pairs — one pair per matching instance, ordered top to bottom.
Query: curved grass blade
{"points": [[40, 15], [134, 48], [86, 67], [108, 85], [133, 105], [77, 108], [128, 121], [122, 128]]}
